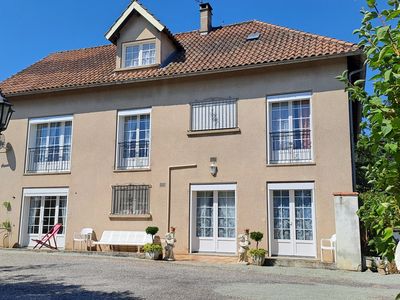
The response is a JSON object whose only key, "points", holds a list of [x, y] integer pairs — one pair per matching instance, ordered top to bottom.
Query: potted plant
{"points": [[6, 237], [152, 251], [257, 254]]}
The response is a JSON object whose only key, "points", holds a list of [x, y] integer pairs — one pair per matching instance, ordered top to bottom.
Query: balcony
{"points": [[290, 147], [133, 155], [52, 159]]}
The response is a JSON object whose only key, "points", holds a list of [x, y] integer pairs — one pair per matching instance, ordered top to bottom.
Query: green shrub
{"points": [[380, 214], [152, 230], [256, 236], [152, 248], [258, 252]]}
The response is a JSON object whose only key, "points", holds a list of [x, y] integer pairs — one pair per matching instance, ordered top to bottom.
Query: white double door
{"points": [[41, 214], [213, 220], [292, 222]]}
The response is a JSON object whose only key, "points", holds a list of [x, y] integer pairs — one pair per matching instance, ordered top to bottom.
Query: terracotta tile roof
{"points": [[222, 49]]}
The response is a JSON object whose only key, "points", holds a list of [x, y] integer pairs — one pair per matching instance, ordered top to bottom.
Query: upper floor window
{"points": [[138, 54], [214, 114], [133, 139], [290, 139], [49, 145]]}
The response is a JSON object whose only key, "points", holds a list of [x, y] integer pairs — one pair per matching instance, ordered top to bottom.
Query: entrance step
{"points": [[299, 263]]}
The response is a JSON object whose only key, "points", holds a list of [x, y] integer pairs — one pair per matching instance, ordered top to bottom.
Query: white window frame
{"points": [[140, 61], [289, 98], [120, 134], [31, 138], [291, 186]]}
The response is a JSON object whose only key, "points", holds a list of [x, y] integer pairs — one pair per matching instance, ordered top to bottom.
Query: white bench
{"points": [[124, 238]]}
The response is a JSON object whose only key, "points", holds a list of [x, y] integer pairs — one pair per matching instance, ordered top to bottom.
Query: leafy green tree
{"points": [[380, 40], [256, 236]]}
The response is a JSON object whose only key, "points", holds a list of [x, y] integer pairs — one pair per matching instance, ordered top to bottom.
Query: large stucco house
{"points": [[212, 131]]}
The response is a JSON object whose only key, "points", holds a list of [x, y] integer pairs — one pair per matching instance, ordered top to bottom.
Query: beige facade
{"points": [[241, 156], [254, 168]]}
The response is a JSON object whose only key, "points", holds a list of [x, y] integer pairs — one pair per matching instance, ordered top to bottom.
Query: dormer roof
{"points": [[135, 7]]}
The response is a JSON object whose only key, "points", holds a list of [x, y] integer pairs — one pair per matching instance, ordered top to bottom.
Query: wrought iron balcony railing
{"points": [[290, 146], [133, 155], [49, 159]]}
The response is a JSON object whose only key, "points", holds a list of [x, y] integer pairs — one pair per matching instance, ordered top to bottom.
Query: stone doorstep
{"points": [[200, 258], [299, 263]]}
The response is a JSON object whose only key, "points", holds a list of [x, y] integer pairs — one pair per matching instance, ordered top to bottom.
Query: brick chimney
{"points": [[205, 18]]}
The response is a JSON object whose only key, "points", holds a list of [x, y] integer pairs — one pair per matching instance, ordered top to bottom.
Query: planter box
{"points": [[155, 255]]}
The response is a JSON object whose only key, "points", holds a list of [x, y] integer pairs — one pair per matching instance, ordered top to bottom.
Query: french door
{"points": [[290, 131], [136, 143], [52, 150], [43, 212], [214, 221], [292, 222]]}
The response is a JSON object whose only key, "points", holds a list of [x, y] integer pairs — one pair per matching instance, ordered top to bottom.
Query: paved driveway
{"points": [[26, 274]]}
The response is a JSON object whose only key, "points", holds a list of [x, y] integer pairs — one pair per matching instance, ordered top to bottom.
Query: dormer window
{"points": [[137, 54]]}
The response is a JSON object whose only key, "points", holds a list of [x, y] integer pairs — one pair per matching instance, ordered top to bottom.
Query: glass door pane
{"points": [[281, 205], [62, 212], [49, 214], [205, 214], [226, 214], [34, 215], [304, 219]]}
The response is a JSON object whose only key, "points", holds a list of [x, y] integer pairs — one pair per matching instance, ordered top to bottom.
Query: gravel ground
{"points": [[25, 274]]}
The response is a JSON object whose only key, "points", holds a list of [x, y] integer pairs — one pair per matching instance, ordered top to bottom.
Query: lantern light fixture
{"points": [[6, 112]]}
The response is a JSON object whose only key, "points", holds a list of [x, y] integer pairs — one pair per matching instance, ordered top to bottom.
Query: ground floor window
{"points": [[131, 200]]}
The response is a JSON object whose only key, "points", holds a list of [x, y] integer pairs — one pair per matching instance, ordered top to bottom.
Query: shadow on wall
{"points": [[11, 159], [21, 286]]}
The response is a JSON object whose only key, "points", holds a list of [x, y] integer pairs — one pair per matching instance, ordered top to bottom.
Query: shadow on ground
{"points": [[24, 286]]}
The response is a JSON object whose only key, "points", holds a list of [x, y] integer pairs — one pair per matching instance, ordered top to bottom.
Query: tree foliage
{"points": [[380, 40], [152, 230], [256, 236]]}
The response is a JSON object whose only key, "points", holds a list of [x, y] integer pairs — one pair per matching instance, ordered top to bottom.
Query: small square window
{"points": [[136, 55], [131, 200]]}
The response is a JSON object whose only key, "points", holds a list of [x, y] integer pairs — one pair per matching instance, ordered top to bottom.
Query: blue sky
{"points": [[30, 30]]}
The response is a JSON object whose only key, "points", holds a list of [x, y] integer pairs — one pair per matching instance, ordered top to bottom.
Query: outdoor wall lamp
{"points": [[5, 112], [5, 115], [213, 166]]}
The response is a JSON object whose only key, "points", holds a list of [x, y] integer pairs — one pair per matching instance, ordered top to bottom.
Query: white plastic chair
{"points": [[85, 236], [332, 246]]}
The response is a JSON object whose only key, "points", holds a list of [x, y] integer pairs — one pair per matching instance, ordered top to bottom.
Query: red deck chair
{"points": [[46, 240]]}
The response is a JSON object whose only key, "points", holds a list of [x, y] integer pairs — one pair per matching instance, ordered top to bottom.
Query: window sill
{"points": [[136, 68], [213, 132], [300, 164], [147, 169], [48, 173], [129, 217]]}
